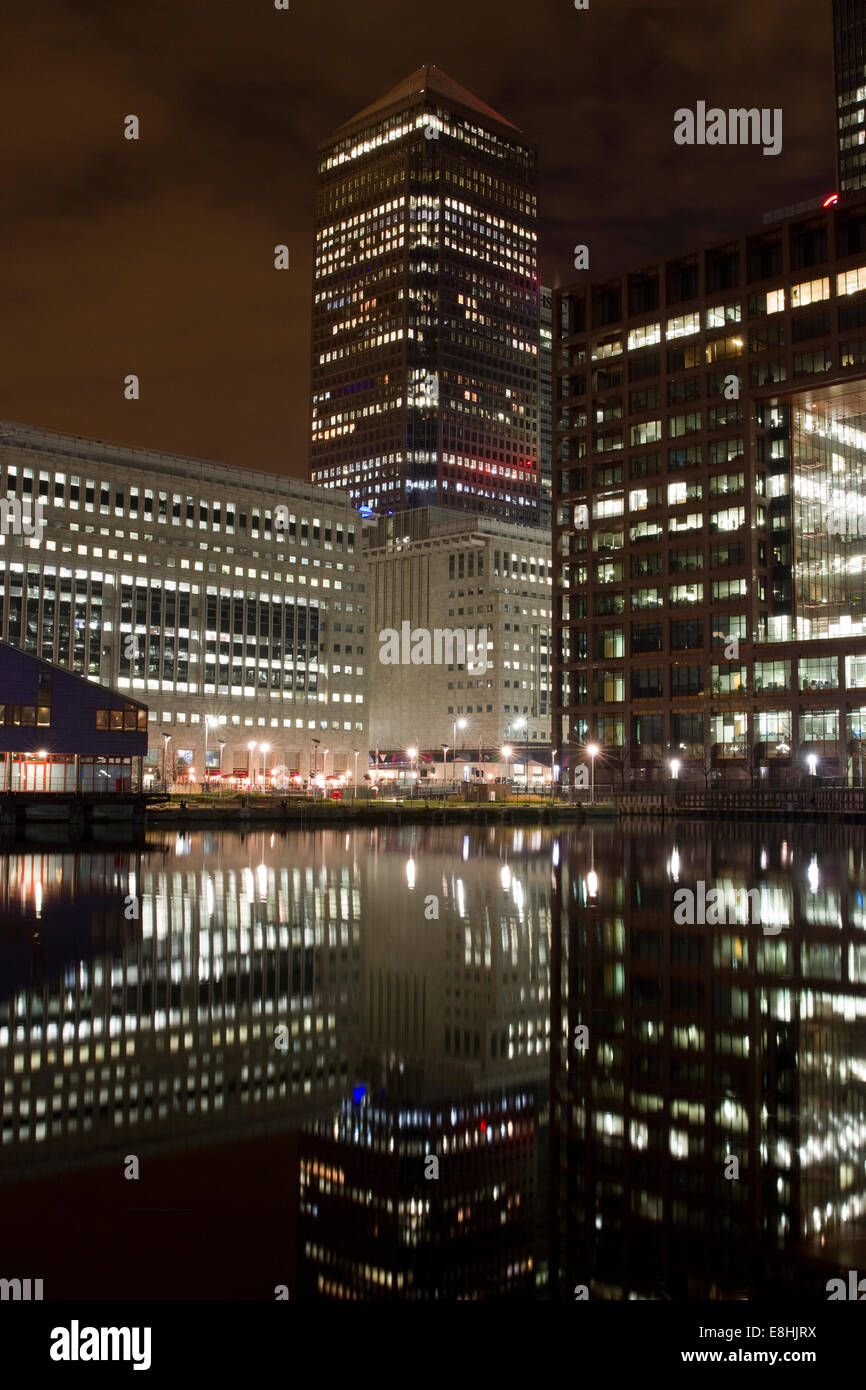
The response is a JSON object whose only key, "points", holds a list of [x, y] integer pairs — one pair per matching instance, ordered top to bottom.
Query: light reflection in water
{"points": [[163, 975]]}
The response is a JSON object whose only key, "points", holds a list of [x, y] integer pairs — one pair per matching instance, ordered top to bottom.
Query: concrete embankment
{"points": [[190, 813]]}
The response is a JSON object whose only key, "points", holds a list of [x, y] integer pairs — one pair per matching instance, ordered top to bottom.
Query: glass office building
{"points": [[849, 35], [710, 509]]}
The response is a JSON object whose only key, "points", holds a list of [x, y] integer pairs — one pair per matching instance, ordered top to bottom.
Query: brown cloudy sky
{"points": [[156, 257]]}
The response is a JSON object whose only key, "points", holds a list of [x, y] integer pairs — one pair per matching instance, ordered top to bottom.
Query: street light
{"points": [[208, 720], [458, 724], [520, 724], [166, 740], [222, 746], [252, 746], [266, 748], [592, 750], [356, 751], [507, 753], [412, 754], [314, 763], [444, 769]]}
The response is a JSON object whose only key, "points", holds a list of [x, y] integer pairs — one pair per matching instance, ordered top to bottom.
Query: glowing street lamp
{"points": [[208, 720], [458, 724], [520, 725], [251, 747], [266, 748], [593, 751], [507, 753], [412, 754], [675, 768]]}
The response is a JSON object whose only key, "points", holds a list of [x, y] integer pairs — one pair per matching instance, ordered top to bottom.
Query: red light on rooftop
{"points": [[830, 201]]}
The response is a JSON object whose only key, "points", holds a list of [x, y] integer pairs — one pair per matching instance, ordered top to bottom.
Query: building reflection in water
{"points": [[409, 965], [420, 976], [708, 1043]]}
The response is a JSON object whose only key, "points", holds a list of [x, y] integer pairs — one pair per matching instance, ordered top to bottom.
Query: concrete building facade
{"points": [[487, 583], [231, 602]]}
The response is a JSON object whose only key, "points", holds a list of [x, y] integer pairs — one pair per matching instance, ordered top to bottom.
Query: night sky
{"points": [[156, 257]]}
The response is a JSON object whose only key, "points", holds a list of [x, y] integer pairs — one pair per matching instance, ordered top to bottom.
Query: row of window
{"points": [[149, 505], [126, 720], [693, 732]]}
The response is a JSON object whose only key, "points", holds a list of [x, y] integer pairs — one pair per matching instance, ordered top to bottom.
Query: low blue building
{"points": [[62, 733]]}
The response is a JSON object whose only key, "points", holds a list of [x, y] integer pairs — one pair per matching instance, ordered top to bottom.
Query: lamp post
{"points": [[209, 721], [458, 724], [521, 724], [166, 740], [222, 746], [251, 747], [266, 748], [592, 750], [355, 751], [507, 752], [412, 754], [314, 760], [444, 769], [553, 771]]}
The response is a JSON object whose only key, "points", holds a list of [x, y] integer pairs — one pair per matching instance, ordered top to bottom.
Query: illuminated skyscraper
{"points": [[849, 46], [426, 304], [545, 408]]}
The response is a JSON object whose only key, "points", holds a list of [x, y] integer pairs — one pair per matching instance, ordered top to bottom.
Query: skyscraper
{"points": [[849, 46], [426, 305], [545, 408]]}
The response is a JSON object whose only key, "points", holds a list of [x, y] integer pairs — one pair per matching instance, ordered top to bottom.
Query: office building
{"points": [[849, 48], [426, 306], [545, 408], [710, 508], [485, 587], [231, 602]]}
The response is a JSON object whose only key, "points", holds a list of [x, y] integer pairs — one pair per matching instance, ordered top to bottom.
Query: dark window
{"points": [[686, 634], [646, 637], [687, 680], [647, 684]]}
